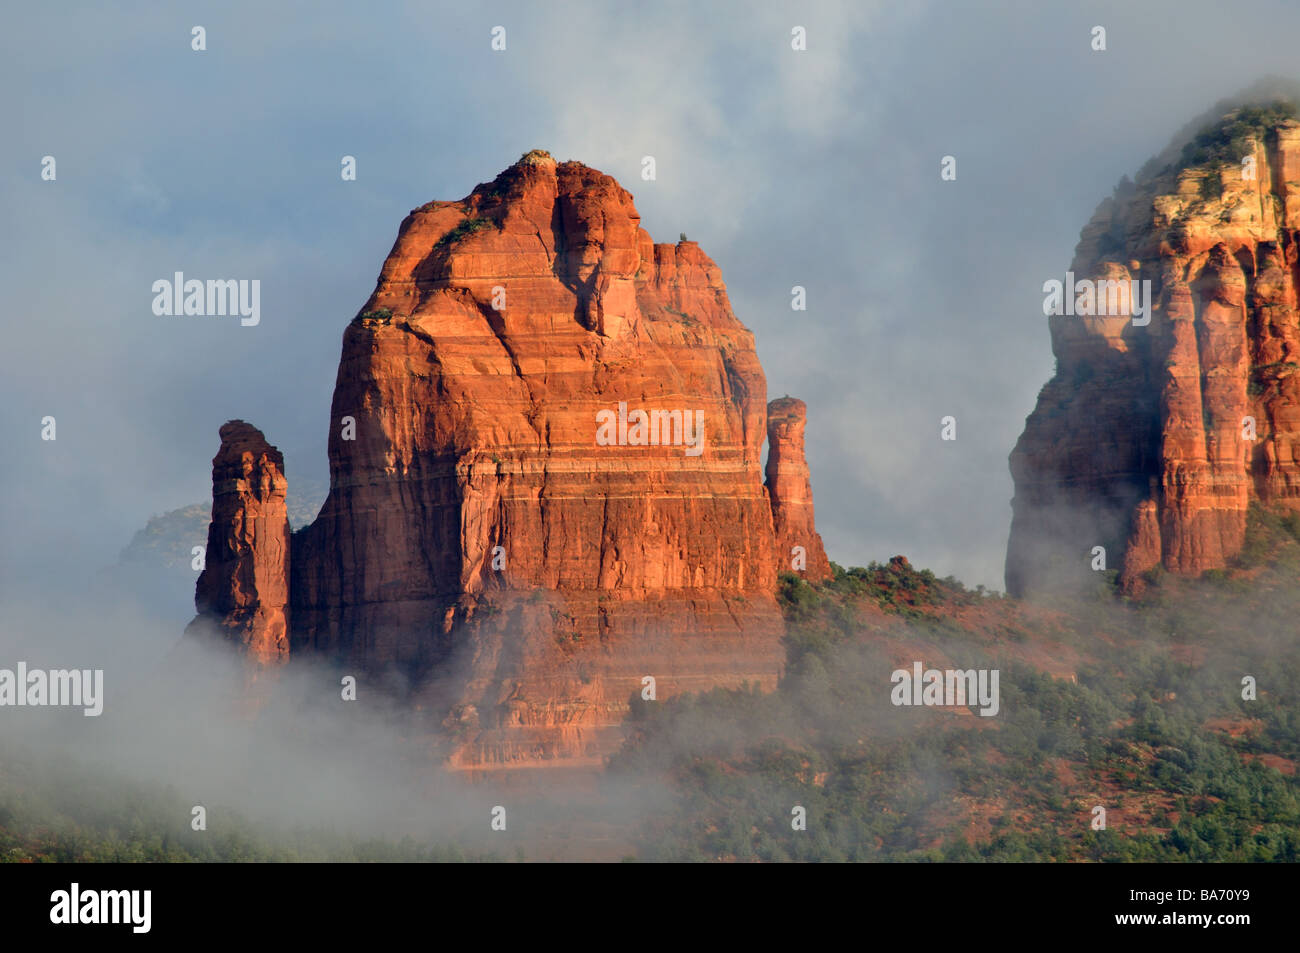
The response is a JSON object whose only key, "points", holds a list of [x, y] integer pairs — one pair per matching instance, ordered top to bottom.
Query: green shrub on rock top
{"points": [[468, 227]]}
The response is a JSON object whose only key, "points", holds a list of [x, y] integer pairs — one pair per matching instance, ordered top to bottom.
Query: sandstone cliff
{"points": [[1153, 440], [546, 482]]}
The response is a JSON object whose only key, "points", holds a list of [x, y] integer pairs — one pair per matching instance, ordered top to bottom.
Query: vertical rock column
{"points": [[790, 489], [244, 586]]}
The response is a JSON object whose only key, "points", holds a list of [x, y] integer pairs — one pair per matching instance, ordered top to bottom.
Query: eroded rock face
{"points": [[1152, 441], [546, 485], [789, 485], [244, 586]]}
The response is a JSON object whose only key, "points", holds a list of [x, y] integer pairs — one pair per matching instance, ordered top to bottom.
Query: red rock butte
{"points": [[1154, 441], [523, 574]]}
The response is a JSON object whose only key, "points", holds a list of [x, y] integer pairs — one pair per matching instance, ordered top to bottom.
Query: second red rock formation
{"points": [[1152, 441]]}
